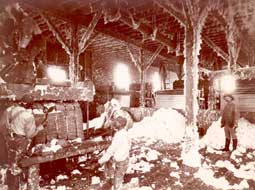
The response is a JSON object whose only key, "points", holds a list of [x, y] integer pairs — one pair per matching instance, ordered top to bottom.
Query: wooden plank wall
{"points": [[176, 101]]}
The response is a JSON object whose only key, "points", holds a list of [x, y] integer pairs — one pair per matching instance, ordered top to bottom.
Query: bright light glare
{"points": [[56, 74], [121, 77], [156, 82], [228, 83], [216, 84]]}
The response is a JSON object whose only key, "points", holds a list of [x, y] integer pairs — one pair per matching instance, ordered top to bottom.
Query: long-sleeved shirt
{"points": [[229, 115], [21, 121], [119, 148]]}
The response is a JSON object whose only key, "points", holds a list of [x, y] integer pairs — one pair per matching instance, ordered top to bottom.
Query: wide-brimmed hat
{"points": [[229, 95]]}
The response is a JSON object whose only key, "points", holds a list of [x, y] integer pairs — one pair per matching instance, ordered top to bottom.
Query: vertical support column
{"points": [[195, 18], [192, 39], [233, 41], [230, 50], [74, 57], [88, 65], [163, 75], [142, 78], [142, 81], [87, 118], [33, 177]]}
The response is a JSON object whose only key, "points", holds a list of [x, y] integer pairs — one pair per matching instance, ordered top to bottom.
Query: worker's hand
{"points": [[107, 124], [235, 126], [40, 128], [103, 159], [100, 161]]}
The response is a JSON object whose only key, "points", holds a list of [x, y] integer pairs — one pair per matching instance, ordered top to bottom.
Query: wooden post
{"points": [[179, 16], [195, 18], [84, 41], [234, 46], [192, 47], [74, 57], [88, 65], [142, 68], [142, 78], [189, 83], [142, 90], [87, 118], [33, 177]]}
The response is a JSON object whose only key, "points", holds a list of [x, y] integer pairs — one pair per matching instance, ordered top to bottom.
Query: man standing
{"points": [[229, 122], [18, 129]]}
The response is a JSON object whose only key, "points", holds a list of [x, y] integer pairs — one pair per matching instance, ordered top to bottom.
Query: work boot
{"points": [[234, 144], [226, 148]]}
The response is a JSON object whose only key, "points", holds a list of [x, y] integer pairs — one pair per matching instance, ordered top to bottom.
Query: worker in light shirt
{"points": [[18, 129], [116, 157]]}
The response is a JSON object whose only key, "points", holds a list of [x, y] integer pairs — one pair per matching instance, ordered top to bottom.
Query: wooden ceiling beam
{"points": [[176, 14], [223, 22], [148, 31], [56, 33], [87, 35], [118, 36], [134, 42], [209, 42], [218, 50], [154, 56], [134, 58]]}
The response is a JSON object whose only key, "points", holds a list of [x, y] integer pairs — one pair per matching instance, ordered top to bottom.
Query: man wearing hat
{"points": [[229, 121], [18, 129]]}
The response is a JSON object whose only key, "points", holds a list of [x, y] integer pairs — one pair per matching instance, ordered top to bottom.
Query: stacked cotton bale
{"points": [[65, 123]]}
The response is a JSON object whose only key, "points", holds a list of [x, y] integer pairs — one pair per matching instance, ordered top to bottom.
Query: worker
{"points": [[206, 91], [112, 110], [229, 122], [18, 129], [116, 157]]}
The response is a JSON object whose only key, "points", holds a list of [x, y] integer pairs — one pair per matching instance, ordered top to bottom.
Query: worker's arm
{"points": [[237, 115], [31, 129], [111, 149]]}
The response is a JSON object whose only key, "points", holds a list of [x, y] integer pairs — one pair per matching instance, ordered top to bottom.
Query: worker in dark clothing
{"points": [[206, 90], [229, 122]]}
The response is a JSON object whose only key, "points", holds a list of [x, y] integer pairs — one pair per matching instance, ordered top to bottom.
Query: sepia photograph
{"points": [[127, 94]]}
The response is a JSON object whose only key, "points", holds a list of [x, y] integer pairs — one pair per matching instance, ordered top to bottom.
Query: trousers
{"points": [[230, 132], [116, 170]]}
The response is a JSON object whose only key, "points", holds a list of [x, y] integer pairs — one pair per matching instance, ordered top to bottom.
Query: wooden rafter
{"points": [[176, 14], [180, 17], [147, 30], [56, 33], [86, 36], [120, 37], [126, 40], [89, 42], [245, 44], [216, 48], [154, 56], [135, 60]]}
